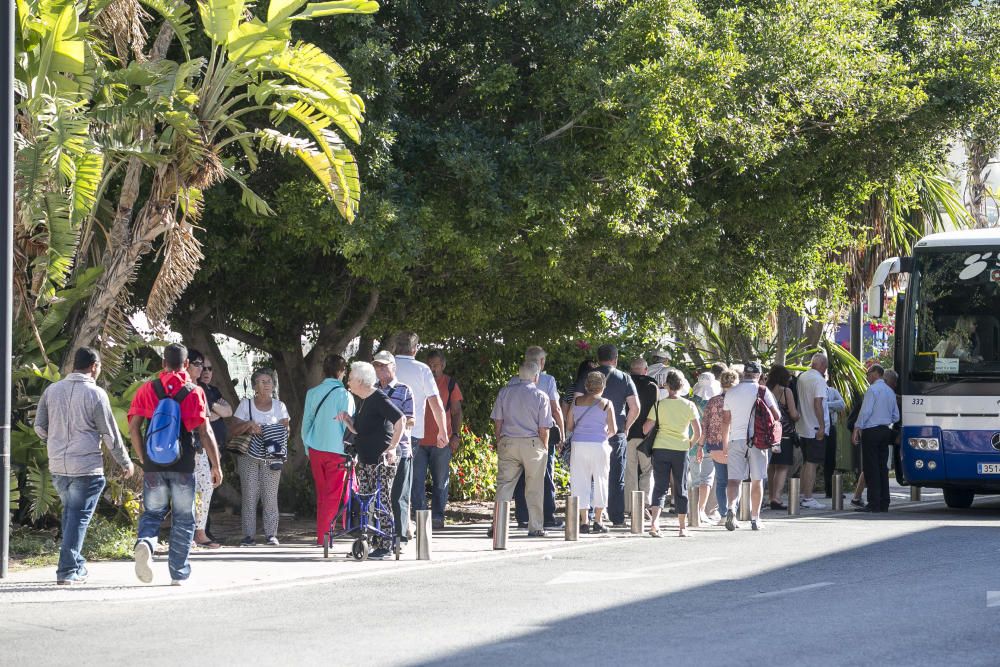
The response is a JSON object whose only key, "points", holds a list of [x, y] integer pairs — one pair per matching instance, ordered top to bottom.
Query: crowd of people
{"points": [[396, 419]]}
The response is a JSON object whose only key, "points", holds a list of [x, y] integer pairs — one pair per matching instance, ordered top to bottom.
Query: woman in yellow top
{"points": [[679, 430]]}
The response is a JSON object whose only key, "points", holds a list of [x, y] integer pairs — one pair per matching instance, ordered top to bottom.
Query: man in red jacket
{"points": [[171, 488]]}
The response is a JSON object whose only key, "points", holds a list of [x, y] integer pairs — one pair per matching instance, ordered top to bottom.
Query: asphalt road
{"points": [[911, 587]]}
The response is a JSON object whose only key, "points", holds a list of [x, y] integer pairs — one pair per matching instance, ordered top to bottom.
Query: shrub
{"points": [[474, 468]]}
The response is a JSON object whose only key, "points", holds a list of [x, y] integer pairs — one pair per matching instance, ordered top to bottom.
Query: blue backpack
{"points": [[163, 437]]}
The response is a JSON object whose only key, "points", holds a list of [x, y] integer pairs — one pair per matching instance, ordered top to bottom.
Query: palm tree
{"points": [[253, 69]]}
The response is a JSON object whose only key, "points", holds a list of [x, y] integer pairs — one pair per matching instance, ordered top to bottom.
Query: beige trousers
{"points": [[529, 455], [638, 472]]}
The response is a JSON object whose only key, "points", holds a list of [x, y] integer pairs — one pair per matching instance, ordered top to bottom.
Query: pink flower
{"points": [[582, 345]]}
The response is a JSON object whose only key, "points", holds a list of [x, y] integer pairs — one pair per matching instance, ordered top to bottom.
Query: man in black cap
{"points": [[745, 459]]}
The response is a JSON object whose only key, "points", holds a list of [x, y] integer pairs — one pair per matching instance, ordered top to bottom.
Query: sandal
{"points": [[654, 533], [683, 533], [208, 545]]}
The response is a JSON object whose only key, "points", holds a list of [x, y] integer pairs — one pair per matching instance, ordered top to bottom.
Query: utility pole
{"points": [[6, 267]]}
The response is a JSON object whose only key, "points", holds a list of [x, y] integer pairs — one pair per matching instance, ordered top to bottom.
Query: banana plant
{"points": [[258, 89]]}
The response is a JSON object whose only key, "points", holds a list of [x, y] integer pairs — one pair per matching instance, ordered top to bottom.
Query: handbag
{"points": [[239, 444], [646, 446], [567, 448]]}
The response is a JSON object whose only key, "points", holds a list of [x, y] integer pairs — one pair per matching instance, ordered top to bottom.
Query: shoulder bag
{"points": [[646, 446], [567, 448]]}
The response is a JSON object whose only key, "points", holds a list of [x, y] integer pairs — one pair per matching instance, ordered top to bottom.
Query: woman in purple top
{"points": [[591, 419]]}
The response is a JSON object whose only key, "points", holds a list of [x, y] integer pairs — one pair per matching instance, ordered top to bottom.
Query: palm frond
{"points": [[178, 16], [181, 260], [43, 499]]}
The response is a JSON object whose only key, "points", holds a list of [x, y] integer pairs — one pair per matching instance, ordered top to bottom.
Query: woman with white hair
{"points": [[378, 426], [260, 467], [702, 468]]}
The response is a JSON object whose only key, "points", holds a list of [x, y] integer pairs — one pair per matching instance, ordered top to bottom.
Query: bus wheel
{"points": [[958, 498]]}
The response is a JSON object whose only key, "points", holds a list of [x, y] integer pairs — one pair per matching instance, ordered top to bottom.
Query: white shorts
{"points": [[744, 458]]}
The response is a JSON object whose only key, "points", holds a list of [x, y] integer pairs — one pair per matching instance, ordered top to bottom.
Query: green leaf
{"points": [[317, 9], [178, 16], [220, 18], [43, 499]]}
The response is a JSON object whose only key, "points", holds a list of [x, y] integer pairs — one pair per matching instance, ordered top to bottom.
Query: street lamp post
{"points": [[6, 267]]}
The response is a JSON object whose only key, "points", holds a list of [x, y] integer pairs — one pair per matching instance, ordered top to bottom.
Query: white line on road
{"points": [[592, 576], [796, 589], [992, 599]]}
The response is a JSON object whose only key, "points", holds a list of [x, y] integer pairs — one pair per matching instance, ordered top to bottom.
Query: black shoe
{"points": [[857, 502], [775, 505], [866, 510], [730, 520], [557, 523], [521, 524], [616, 525], [585, 528], [598, 528], [536, 533], [380, 554]]}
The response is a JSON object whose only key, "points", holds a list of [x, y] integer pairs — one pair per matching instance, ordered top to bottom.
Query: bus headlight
{"points": [[925, 444], [919, 464], [931, 465]]}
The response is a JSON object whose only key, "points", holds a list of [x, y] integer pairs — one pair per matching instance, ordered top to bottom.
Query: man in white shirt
{"points": [[418, 377], [814, 425], [744, 458]]}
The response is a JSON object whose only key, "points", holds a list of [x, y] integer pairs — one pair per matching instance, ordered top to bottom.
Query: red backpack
{"points": [[766, 429]]}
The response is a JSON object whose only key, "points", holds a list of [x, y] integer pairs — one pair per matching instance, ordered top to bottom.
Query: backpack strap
{"points": [[451, 387], [159, 389], [183, 393]]}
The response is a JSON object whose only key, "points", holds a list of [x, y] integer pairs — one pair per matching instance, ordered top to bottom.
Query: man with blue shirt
{"points": [[620, 390], [400, 396], [873, 430], [323, 435]]}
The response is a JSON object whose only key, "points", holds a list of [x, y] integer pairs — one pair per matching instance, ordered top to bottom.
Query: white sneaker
{"points": [[811, 504], [715, 517], [704, 519], [143, 557]]}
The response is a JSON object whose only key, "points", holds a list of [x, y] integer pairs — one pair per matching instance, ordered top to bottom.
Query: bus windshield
{"points": [[955, 314]]}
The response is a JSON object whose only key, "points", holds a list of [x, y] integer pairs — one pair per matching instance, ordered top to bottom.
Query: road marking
{"points": [[593, 576], [796, 589], [992, 599]]}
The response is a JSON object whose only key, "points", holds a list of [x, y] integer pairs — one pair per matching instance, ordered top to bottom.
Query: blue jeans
{"points": [[439, 462], [721, 478], [616, 479], [402, 485], [172, 492], [79, 496]]}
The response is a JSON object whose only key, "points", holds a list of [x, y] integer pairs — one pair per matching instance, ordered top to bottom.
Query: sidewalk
{"points": [[234, 569]]}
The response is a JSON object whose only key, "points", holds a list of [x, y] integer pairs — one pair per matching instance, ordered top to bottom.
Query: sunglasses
{"points": [[206, 368]]}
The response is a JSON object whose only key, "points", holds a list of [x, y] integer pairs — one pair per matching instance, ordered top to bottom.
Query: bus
{"points": [[947, 354]]}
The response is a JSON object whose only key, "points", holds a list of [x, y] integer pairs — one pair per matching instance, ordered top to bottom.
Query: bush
{"points": [[474, 468], [107, 539]]}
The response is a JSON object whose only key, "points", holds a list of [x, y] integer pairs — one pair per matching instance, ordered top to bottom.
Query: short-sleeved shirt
{"points": [[418, 377], [811, 385], [617, 389], [648, 394], [213, 396], [401, 396], [449, 401], [739, 402], [524, 409], [194, 412], [675, 417], [269, 420], [374, 421]]}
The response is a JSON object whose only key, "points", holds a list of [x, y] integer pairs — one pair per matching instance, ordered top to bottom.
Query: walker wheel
{"points": [[326, 545], [359, 550]]}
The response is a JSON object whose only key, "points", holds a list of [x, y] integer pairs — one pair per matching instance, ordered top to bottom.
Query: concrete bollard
{"points": [[838, 491], [915, 494], [793, 496], [744, 501], [637, 506], [693, 518], [501, 524], [572, 527], [423, 536]]}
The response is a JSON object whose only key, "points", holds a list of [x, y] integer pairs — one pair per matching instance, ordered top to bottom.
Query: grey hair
{"points": [[406, 343], [534, 353], [820, 358], [638, 361], [528, 371], [262, 372], [364, 372], [891, 377]]}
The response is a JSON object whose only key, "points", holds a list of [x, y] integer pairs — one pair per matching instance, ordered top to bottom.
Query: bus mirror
{"points": [[876, 296]]}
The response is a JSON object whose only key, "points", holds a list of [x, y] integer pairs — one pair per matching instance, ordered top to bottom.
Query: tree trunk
{"points": [[979, 154]]}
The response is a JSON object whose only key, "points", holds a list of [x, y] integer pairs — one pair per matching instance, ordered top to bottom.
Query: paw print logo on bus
{"points": [[977, 263]]}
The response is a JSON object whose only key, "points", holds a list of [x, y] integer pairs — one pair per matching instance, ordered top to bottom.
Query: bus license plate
{"points": [[989, 468]]}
